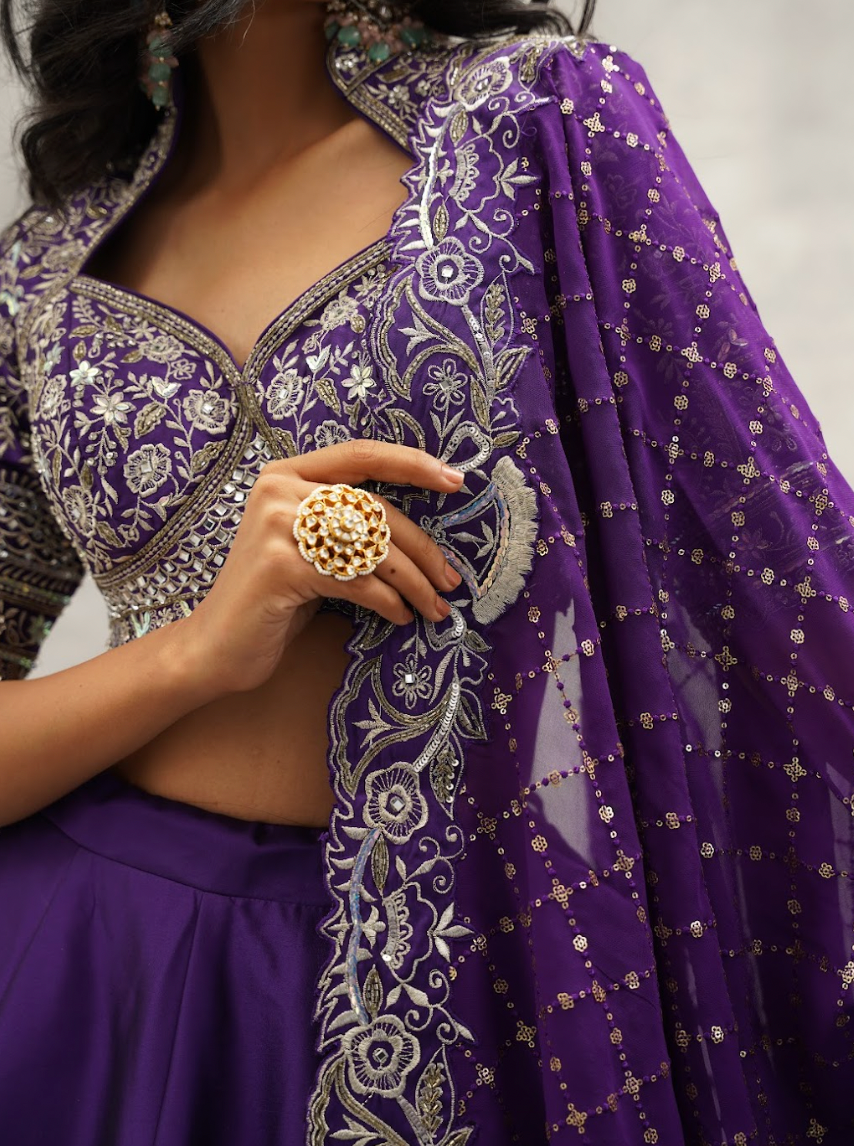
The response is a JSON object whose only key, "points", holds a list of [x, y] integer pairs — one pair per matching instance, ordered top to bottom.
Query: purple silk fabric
{"points": [[589, 869], [156, 974]]}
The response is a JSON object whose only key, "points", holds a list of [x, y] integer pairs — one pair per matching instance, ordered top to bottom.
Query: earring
{"points": [[375, 26], [158, 63]]}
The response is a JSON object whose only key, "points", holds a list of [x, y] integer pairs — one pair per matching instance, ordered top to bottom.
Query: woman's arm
{"points": [[60, 730]]}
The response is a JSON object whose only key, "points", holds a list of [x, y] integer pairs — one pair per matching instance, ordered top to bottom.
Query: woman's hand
{"points": [[266, 593]]}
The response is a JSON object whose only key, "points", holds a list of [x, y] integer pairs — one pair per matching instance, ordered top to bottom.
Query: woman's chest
{"points": [[141, 420]]}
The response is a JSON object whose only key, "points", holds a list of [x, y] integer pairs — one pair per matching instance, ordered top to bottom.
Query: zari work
{"points": [[590, 865]]}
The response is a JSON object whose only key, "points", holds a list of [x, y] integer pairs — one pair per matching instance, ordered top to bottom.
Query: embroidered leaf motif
{"points": [[459, 126], [440, 222], [493, 312], [509, 363], [328, 394], [478, 401], [148, 417], [402, 418], [286, 441], [504, 441], [203, 457], [106, 531], [471, 719], [443, 778], [380, 863], [372, 993], [418, 996], [344, 1019], [429, 1097], [460, 1138]]}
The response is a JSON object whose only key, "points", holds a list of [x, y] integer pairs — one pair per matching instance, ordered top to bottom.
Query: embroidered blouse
{"points": [[590, 865]]}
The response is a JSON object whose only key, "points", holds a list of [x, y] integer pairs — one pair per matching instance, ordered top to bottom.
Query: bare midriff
{"points": [[259, 755]]}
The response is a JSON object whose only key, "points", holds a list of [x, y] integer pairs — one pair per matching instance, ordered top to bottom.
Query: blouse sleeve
{"points": [[696, 440], [39, 567]]}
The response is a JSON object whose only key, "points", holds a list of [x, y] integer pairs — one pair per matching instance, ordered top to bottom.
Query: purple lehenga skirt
{"points": [[157, 974]]}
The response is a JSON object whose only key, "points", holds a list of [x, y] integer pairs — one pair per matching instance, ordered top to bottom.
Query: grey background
{"points": [[758, 93]]}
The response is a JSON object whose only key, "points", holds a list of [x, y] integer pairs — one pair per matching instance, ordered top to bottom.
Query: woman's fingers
{"points": [[363, 459], [421, 549], [403, 574], [374, 594]]}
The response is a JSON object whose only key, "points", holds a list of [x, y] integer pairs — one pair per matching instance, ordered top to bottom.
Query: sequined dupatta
{"points": [[593, 844]]}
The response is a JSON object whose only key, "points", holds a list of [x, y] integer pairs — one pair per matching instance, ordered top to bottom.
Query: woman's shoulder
{"points": [[543, 64], [598, 84], [44, 243], [34, 249], [21, 259]]}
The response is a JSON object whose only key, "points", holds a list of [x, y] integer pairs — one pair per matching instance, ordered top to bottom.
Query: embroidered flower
{"points": [[398, 96], [449, 273], [339, 312], [163, 348], [182, 369], [85, 374], [360, 382], [448, 385], [285, 393], [111, 407], [207, 410], [330, 434], [147, 469], [79, 509], [412, 682], [394, 803], [380, 1056]]}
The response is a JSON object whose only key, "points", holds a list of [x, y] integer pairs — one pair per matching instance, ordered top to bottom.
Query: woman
{"points": [[580, 865]]}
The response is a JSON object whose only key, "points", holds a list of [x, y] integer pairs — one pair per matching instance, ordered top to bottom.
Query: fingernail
{"points": [[456, 476], [452, 577], [443, 608]]}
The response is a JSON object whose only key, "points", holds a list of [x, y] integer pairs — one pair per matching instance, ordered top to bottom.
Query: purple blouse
{"points": [[590, 865]]}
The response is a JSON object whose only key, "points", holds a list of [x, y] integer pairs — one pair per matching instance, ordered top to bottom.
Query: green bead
{"points": [[332, 30], [349, 36], [412, 37], [159, 46], [379, 52], [159, 72], [160, 97]]}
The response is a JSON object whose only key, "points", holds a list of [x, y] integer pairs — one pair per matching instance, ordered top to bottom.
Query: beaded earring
{"points": [[377, 26], [158, 63]]}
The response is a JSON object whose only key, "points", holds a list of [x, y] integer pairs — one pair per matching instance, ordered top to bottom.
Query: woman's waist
{"points": [[259, 755], [226, 778], [204, 850]]}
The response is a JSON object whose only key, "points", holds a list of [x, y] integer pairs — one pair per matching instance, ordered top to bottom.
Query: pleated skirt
{"points": [[157, 974]]}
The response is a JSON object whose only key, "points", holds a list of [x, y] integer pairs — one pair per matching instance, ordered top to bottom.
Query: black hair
{"points": [[80, 60]]}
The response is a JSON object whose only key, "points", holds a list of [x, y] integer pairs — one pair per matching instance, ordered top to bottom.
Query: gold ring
{"points": [[342, 531]]}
